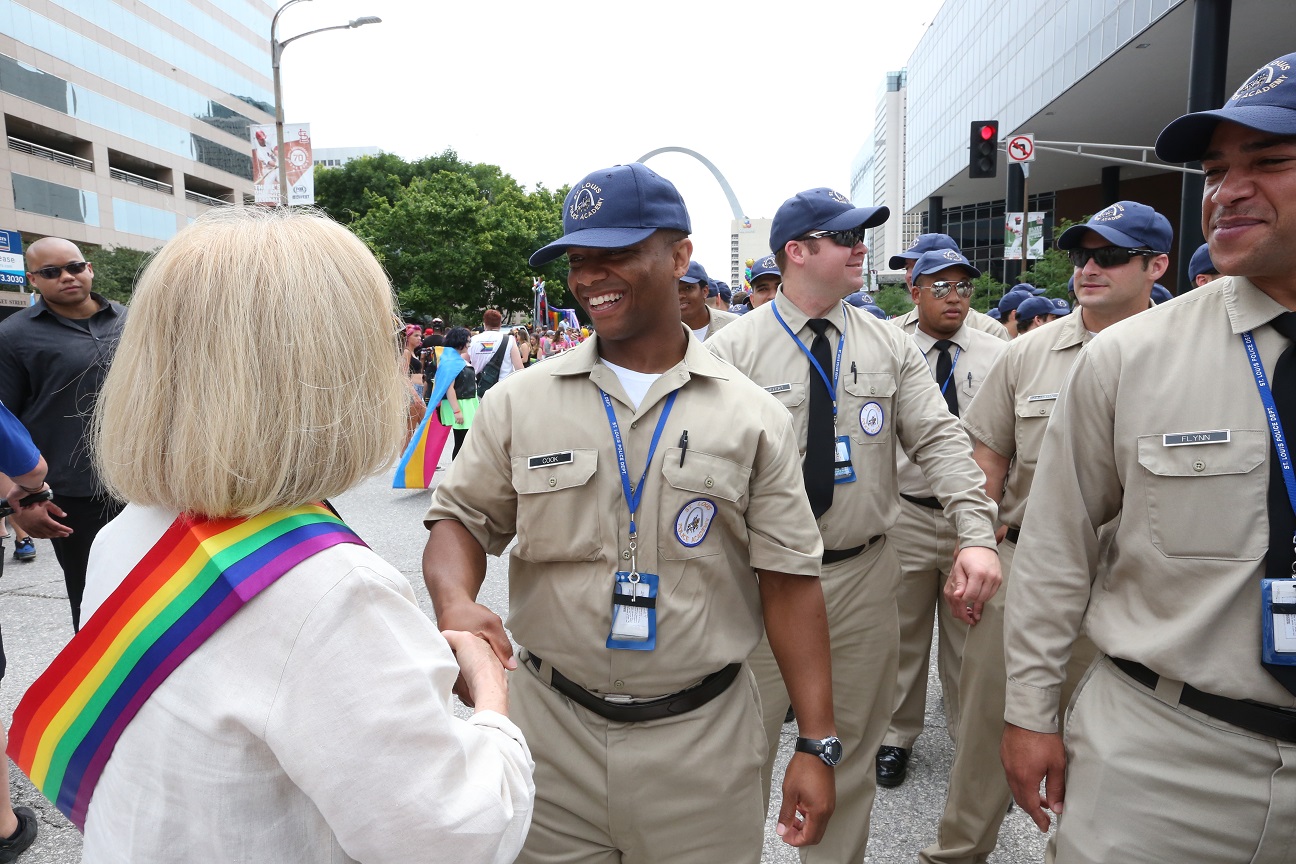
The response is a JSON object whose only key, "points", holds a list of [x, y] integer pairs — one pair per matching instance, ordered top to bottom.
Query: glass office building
{"points": [[125, 121]]}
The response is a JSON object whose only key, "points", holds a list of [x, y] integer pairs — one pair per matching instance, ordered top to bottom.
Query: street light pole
{"points": [[276, 52]]}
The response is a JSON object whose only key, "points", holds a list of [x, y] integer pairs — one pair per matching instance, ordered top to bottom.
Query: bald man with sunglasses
{"points": [[1118, 256], [53, 359], [859, 390]]}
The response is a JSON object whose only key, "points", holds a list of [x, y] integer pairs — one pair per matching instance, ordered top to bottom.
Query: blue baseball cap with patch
{"points": [[1266, 102], [616, 207], [820, 209], [1125, 223], [924, 243], [934, 262], [1201, 263], [764, 266], [696, 273], [716, 288], [1160, 293], [858, 298], [1010, 301], [1060, 306], [1033, 307], [875, 310]]}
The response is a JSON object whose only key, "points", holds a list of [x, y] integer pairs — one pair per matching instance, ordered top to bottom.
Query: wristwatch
{"points": [[828, 749]]}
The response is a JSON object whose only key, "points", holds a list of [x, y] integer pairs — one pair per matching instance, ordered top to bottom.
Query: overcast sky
{"points": [[779, 96]]}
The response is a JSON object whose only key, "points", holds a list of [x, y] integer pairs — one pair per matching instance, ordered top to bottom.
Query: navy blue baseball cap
{"points": [[1266, 102], [616, 207], [820, 209], [1125, 223], [924, 243], [933, 262], [1201, 262], [764, 266], [696, 273], [1026, 286], [716, 288], [1160, 293], [858, 298], [1010, 301], [1034, 306], [1060, 306], [877, 311], [993, 312]]}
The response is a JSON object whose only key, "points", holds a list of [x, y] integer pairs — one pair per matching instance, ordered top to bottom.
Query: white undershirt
{"points": [[701, 332], [635, 384]]}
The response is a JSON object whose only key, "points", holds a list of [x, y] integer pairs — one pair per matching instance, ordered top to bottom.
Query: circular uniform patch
{"points": [[871, 417], [694, 520]]}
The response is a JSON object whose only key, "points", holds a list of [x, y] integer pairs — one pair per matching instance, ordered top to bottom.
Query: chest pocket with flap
{"points": [[865, 409], [705, 494], [1207, 501], [558, 510]]}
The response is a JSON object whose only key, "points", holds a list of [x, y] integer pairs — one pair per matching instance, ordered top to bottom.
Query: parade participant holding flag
{"points": [[252, 682]]}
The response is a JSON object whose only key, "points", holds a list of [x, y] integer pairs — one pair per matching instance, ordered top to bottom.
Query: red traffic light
{"points": [[987, 132]]}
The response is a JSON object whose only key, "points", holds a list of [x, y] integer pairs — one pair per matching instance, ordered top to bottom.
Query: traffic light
{"points": [[983, 149]]}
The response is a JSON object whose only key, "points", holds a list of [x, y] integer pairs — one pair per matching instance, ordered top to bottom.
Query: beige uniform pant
{"points": [[924, 542], [859, 594], [1149, 781], [680, 790], [979, 796]]}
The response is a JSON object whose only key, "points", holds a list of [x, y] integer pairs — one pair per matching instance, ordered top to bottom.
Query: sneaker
{"points": [[25, 550], [16, 844]]}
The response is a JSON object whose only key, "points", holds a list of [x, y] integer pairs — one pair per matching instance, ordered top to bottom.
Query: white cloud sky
{"points": [[779, 96]]}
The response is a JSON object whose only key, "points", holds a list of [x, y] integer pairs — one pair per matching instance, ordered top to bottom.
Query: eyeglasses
{"points": [[850, 237], [1108, 256], [75, 269], [941, 289]]}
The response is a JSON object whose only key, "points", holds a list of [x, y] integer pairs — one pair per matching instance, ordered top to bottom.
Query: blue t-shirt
{"points": [[18, 454]]}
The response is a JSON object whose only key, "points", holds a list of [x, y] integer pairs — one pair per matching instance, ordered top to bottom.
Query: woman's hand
{"points": [[480, 671]]}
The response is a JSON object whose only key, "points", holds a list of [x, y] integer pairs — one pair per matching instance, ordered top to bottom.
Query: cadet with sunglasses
{"points": [[1119, 254], [906, 260], [959, 356], [53, 359], [858, 390], [1181, 742]]}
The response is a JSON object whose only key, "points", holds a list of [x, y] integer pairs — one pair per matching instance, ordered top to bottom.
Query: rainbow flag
{"points": [[419, 461], [193, 580]]}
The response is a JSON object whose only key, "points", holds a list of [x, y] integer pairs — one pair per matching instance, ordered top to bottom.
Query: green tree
{"points": [[346, 193], [115, 269], [1054, 270], [986, 292]]}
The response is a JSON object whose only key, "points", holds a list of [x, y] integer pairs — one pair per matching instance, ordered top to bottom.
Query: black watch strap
{"points": [[827, 749]]}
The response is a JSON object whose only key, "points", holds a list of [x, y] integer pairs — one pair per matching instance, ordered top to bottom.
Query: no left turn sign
{"points": [[1021, 148]]}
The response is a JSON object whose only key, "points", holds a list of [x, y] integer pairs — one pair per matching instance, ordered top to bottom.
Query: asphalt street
{"points": [[34, 613]]}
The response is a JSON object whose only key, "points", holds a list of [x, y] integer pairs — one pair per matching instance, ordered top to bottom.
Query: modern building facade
{"points": [[1070, 72], [124, 121], [336, 157], [877, 177], [749, 241]]}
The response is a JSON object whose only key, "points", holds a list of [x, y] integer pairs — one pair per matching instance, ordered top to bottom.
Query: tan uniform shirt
{"points": [[719, 318], [976, 320], [977, 352], [886, 401], [1013, 407], [732, 502], [1180, 584]]}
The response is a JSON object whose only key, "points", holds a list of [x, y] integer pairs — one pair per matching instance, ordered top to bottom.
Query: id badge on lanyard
{"points": [[634, 594]]}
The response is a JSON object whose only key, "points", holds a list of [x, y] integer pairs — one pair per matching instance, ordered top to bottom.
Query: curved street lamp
{"points": [[276, 52]]}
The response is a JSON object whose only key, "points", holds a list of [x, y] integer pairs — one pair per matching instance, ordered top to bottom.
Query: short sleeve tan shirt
{"points": [[719, 319], [975, 355], [887, 401], [1012, 409], [733, 501], [1178, 588]]}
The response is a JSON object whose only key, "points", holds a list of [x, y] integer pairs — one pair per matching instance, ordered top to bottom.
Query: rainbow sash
{"points": [[191, 582]]}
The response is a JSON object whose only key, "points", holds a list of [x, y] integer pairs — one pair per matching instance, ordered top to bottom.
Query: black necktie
{"points": [[944, 370], [818, 465], [1282, 522]]}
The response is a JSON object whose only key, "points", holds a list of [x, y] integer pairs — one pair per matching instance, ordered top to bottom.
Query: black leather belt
{"points": [[930, 503], [1012, 535], [832, 556], [671, 705], [1257, 717]]}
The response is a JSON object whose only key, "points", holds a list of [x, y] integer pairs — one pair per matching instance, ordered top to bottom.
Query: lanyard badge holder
{"points": [[843, 470], [634, 594], [1277, 596]]}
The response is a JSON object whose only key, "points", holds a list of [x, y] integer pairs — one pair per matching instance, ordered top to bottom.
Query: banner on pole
{"points": [[298, 159], [1033, 230]]}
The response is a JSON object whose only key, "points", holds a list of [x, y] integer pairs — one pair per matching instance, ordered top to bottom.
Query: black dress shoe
{"points": [[892, 766]]}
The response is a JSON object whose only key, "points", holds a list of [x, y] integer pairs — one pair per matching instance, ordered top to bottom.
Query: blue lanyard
{"points": [[953, 366], [831, 384], [1275, 424], [633, 494]]}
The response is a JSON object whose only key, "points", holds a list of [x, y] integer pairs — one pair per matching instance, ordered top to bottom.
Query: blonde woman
{"points": [[314, 723]]}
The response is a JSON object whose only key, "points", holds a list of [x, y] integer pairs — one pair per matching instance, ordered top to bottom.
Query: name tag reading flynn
{"points": [[778, 388], [1042, 397], [1188, 439], [549, 460]]}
